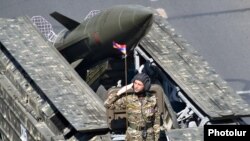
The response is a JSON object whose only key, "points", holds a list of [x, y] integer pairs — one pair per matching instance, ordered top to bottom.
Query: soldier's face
{"points": [[138, 86]]}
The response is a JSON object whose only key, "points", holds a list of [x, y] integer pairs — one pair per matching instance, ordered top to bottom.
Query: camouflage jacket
{"points": [[140, 112]]}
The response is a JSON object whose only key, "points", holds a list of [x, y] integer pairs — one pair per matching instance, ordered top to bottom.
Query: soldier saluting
{"points": [[142, 111]]}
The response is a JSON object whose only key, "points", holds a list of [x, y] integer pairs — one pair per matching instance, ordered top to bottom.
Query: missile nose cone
{"points": [[141, 16], [134, 17], [126, 24]]}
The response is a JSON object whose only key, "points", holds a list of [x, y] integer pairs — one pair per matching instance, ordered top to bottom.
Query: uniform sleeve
{"points": [[116, 97], [115, 101], [109, 102], [157, 123]]}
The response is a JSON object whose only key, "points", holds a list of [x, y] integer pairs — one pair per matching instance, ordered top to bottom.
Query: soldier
{"points": [[142, 111]]}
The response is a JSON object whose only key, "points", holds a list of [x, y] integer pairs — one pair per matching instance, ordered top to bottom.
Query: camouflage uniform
{"points": [[141, 113]]}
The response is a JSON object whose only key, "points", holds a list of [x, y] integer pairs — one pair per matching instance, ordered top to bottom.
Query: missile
{"points": [[92, 40]]}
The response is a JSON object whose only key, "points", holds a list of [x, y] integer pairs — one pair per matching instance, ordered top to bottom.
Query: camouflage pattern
{"points": [[141, 113]]}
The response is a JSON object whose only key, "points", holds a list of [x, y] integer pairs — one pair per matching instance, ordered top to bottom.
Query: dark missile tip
{"points": [[139, 10], [142, 15]]}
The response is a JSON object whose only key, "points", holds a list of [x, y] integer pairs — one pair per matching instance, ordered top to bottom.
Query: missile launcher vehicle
{"points": [[52, 91]]}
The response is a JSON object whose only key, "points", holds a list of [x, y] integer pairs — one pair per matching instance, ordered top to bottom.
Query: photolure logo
{"points": [[241, 132]]}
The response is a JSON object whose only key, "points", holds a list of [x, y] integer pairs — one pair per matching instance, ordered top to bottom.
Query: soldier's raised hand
{"points": [[124, 89]]}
